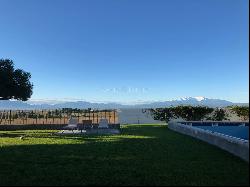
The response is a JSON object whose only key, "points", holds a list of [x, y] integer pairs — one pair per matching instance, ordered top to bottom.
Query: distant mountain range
{"points": [[20, 105]]}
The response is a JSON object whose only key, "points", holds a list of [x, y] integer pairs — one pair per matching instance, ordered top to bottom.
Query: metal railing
{"points": [[57, 116]]}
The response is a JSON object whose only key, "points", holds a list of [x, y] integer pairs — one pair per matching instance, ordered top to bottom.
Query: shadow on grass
{"points": [[132, 131], [13, 134], [162, 158]]}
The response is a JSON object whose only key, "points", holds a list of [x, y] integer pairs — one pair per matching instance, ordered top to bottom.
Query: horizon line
{"points": [[135, 102]]}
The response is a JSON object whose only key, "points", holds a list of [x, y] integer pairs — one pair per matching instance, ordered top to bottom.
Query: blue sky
{"points": [[129, 50]]}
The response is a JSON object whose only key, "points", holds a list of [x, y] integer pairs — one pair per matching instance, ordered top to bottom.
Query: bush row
{"points": [[198, 113]]}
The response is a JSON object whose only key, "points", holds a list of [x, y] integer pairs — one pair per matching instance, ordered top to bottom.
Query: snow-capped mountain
{"points": [[198, 98], [194, 101], [202, 101], [20, 105]]}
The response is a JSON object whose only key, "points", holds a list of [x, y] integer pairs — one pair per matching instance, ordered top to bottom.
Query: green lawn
{"points": [[141, 155]]}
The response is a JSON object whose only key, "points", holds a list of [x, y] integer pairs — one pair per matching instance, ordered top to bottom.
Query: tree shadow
{"points": [[131, 131], [11, 135]]}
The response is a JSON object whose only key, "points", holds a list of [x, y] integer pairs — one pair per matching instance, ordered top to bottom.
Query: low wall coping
{"points": [[239, 147]]}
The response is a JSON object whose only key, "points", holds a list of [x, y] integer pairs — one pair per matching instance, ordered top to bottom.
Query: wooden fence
{"points": [[58, 116]]}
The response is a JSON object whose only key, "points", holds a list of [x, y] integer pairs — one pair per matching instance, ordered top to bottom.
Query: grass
{"points": [[141, 155]]}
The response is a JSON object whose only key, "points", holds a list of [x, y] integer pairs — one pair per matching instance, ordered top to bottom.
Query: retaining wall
{"points": [[44, 127], [233, 145]]}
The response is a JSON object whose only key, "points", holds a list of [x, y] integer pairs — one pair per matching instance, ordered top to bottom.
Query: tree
{"points": [[14, 83], [241, 111], [188, 113], [192, 113], [162, 114], [219, 114]]}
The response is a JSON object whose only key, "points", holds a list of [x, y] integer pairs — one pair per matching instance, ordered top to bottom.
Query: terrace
{"points": [[54, 119]]}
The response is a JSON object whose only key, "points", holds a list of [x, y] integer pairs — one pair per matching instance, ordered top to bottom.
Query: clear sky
{"points": [[129, 50]]}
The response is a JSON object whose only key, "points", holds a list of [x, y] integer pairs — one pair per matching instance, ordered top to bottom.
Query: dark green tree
{"points": [[14, 83], [241, 111], [188, 113], [192, 113], [162, 114], [219, 114]]}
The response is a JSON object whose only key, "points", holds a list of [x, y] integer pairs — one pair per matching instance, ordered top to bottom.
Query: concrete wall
{"points": [[135, 116], [45, 127], [233, 145]]}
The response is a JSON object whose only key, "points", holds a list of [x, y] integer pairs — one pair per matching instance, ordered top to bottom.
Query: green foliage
{"points": [[14, 83], [241, 111], [189, 113], [192, 113], [162, 114], [219, 114], [32, 115], [40, 116]]}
